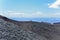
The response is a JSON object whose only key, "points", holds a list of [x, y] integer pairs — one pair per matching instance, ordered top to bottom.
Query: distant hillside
{"points": [[28, 30]]}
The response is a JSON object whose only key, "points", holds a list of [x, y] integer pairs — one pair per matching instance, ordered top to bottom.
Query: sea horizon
{"points": [[49, 20]]}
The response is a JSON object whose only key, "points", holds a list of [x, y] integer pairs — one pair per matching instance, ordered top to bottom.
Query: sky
{"points": [[30, 8]]}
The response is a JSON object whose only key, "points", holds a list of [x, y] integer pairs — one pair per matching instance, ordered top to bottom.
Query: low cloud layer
{"points": [[56, 4], [11, 14]]}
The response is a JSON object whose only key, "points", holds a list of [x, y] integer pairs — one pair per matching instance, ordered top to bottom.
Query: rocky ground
{"points": [[28, 30]]}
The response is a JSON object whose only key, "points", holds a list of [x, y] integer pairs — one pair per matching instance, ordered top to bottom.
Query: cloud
{"points": [[56, 4], [12, 14]]}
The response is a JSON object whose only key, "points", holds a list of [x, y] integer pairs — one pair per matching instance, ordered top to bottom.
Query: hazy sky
{"points": [[30, 8]]}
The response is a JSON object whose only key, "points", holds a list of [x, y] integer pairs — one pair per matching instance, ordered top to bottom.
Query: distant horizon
{"points": [[49, 20]]}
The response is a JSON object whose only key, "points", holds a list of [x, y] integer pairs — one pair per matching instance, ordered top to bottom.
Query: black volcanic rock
{"points": [[27, 30], [11, 31]]}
